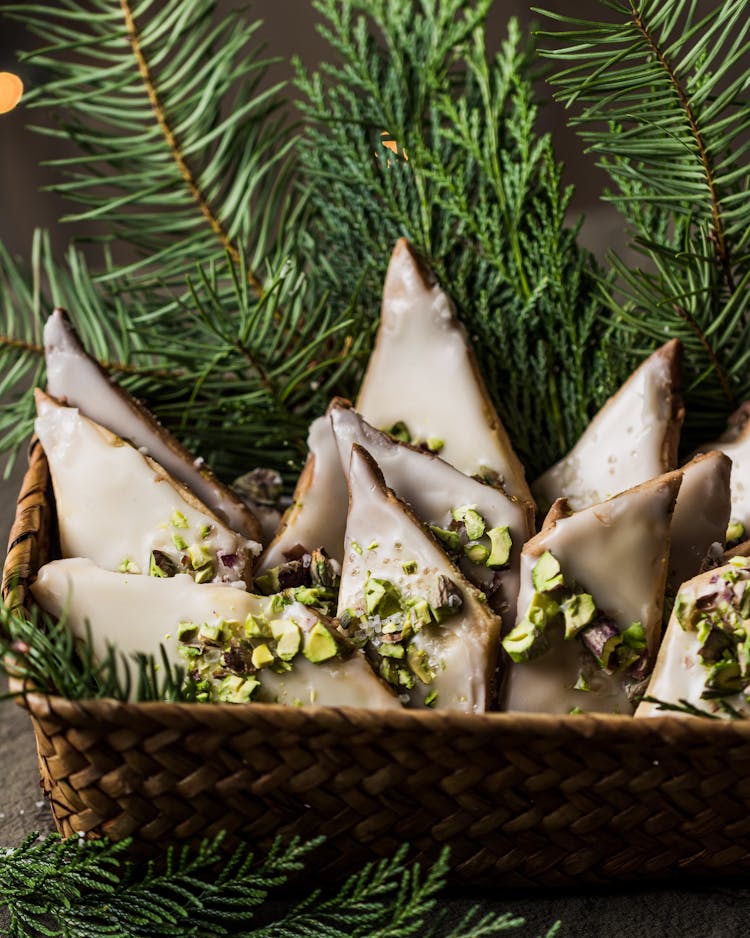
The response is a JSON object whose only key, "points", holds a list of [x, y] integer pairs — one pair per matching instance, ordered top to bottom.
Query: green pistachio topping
{"points": [[399, 431], [435, 444], [178, 520], [473, 521], [204, 531], [735, 531], [449, 539], [179, 542], [373, 545], [500, 546], [357, 548], [476, 552], [199, 556], [161, 565], [128, 566], [409, 566], [204, 574], [547, 575], [308, 595], [381, 597], [447, 599], [279, 601], [542, 610], [578, 611], [685, 611], [419, 613], [257, 627], [186, 631], [213, 632], [634, 636], [288, 638], [525, 642], [319, 645], [391, 650], [262, 656], [420, 664], [724, 678], [581, 683], [235, 689], [431, 699]]}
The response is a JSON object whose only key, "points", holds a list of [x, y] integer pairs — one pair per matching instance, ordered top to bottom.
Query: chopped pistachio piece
{"points": [[399, 431], [435, 444], [179, 520], [204, 531], [735, 532], [449, 539], [179, 542], [373, 545], [500, 546], [357, 548], [476, 552], [199, 556], [161, 564], [128, 566], [409, 566], [204, 574], [547, 575], [308, 595], [381, 597], [447, 600], [542, 610], [578, 611], [685, 611], [419, 613], [257, 627], [186, 631], [213, 632], [634, 636], [288, 638], [525, 642], [319, 645], [391, 650], [262, 656], [419, 663], [724, 678], [581, 683], [235, 689], [431, 699]]}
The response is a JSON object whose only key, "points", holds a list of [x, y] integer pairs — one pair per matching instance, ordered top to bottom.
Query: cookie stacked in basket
{"points": [[407, 570]]}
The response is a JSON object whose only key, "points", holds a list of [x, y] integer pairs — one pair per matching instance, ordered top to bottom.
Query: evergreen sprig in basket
{"points": [[520, 799]]}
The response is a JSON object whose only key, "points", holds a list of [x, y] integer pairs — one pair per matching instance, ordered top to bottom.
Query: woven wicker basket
{"points": [[521, 799]]}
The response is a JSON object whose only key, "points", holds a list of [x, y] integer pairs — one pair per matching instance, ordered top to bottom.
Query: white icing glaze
{"points": [[422, 372], [74, 376], [622, 446], [739, 452], [432, 487], [113, 505], [318, 514], [700, 517], [615, 551], [138, 614], [464, 647]]}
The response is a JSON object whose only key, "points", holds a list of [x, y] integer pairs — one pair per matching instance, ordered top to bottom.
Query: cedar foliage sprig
{"points": [[659, 92], [418, 132], [77, 889]]}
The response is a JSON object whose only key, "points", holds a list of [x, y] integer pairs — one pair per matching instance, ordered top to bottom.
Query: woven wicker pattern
{"points": [[521, 800]]}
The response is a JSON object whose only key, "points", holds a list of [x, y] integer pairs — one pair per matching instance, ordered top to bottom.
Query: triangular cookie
{"points": [[423, 375], [77, 379], [634, 437], [122, 510], [317, 515], [481, 527], [592, 576], [428, 631], [240, 647], [704, 659]]}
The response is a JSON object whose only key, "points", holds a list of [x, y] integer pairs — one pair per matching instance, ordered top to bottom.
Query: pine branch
{"points": [[660, 95], [184, 150], [462, 173], [78, 889]]}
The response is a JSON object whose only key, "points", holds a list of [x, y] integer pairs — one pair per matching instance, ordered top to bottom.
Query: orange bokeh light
{"points": [[11, 91]]}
